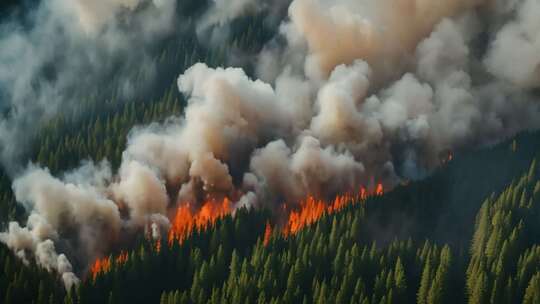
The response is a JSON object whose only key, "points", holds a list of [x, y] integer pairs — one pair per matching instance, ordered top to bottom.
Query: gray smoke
{"points": [[215, 25], [61, 55], [518, 65], [361, 93]]}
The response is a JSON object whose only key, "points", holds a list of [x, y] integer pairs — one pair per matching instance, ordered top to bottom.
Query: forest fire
{"points": [[379, 190], [313, 209], [310, 211], [185, 220], [184, 223], [267, 234], [103, 265]]}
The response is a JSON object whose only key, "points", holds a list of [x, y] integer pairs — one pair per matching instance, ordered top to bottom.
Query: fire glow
{"points": [[312, 209], [186, 221], [103, 265]]}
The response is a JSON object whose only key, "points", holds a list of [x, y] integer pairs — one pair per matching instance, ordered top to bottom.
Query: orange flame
{"points": [[379, 191], [363, 193], [311, 210], [185, 220], [267, 234], [158, 246], [122, 258], [103, 265], [100, 266]]}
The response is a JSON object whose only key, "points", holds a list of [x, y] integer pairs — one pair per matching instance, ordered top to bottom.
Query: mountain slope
{"points": [[372, 252]]}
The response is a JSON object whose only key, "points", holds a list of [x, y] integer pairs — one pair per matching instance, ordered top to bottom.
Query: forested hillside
{"points": [[467, 230], [431, 248], [374, 251]]}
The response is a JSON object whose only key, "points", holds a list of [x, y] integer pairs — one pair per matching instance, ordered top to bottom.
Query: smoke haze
{"points": [[60, 52]]}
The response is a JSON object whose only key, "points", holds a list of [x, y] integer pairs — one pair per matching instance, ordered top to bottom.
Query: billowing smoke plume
{"points": [[381, 33], [61, 51], [518, 65], [362, 92]]}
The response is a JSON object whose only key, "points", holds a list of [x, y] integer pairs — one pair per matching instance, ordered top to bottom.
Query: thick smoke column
{"points": [[381, 33], [359, 97]]}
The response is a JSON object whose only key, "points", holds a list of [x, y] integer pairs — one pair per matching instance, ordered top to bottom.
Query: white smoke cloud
{"points": [[379, 32], [518, 65], [339, 119], [157, 145], [282, 173], [141, 189], [78, 212], [32, 240]]}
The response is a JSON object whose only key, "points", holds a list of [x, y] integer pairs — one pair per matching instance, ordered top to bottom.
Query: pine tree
{"points": [[532, 171], [400, 281], [425, 283], [532, 293], [478, 294], [42, 296], [8, 298], [111, 298]]}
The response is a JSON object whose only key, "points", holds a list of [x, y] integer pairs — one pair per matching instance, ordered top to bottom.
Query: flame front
{"points": [[379, 190], [312, 209], [185, 220], [267, 234], [103, 265]]}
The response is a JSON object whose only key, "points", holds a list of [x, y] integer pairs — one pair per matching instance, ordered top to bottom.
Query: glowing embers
{"points": [[379, 190], [186, 220]]}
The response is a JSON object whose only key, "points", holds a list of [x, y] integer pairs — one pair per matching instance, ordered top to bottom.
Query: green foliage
{"points": [[505, 255], [341, 258], [29, 283]]}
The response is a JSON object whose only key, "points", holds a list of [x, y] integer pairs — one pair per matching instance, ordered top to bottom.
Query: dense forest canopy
{"points": [[287, 151]]}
